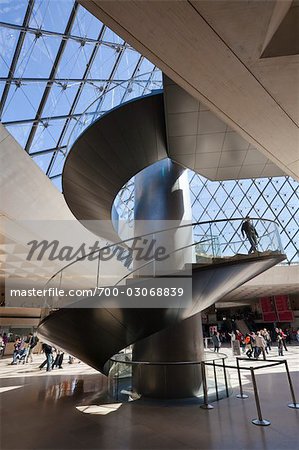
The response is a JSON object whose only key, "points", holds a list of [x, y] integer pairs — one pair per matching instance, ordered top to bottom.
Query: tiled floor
{"points": [[62, 410]]}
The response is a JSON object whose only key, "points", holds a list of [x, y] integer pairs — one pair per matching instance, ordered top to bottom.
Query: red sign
{"points": [[282, 303], [266, 304], [268, 309], [276, 309], [286, 316], [269, 317]]}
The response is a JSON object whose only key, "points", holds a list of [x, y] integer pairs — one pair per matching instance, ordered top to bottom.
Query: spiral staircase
{"points": [[125, 142]]}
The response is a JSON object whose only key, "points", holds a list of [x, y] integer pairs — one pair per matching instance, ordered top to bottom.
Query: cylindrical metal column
{"points": [[162, 200], [182, 342]]}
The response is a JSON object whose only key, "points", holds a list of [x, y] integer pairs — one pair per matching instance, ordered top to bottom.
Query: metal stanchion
{"points": [[225, 377], [215, 379], [241, 395], [206, 405], [293, 405], [260, 421]]}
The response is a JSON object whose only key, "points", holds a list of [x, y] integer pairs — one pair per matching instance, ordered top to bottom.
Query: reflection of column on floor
{"points": [[162, 200]]}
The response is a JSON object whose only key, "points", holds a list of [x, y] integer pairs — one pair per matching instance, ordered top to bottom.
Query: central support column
{"points": [[162, 196]]}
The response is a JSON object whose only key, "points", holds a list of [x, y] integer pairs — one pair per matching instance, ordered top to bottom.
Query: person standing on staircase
{"points": [[251, 234]]}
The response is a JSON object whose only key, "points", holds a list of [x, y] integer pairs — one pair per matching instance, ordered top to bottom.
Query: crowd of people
{"points": [[255, 344], [23, 350]]}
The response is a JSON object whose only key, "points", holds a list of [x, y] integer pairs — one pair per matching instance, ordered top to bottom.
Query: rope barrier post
{"points": [[225, 377], [215, 380], [241, 395], [206, 405], [293, 405], [259, 421]]}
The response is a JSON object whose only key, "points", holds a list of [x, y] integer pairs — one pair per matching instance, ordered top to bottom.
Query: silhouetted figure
{"points": [[251, 234], [216, 341], [280, 345], [47, 349]]}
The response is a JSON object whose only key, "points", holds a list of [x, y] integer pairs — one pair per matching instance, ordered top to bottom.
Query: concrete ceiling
{"points": [[216, 52], [201, 141], [279, 280]]}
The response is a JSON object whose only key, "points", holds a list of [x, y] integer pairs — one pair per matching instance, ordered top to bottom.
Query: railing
{"points": [[203, 243], [214, 375], [215, 378]]}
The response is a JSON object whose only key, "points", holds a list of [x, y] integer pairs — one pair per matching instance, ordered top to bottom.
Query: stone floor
{"points": [[62, 410]]}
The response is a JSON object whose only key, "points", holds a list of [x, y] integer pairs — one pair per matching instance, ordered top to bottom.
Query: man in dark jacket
{"points": [[251, 234], [47, 349]]}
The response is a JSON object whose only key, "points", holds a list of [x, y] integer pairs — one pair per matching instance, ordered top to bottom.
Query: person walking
{"points": [[251, 234], [267, 337], [240, 338], [284, 338], [4, 341], [216, 341], [1, 345], [260, 345], [280, 345], [248, 346], [18, 350], [48, 351], [59, 359]]}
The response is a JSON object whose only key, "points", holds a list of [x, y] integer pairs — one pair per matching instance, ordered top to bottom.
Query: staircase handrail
{"points": [[193, 224]]}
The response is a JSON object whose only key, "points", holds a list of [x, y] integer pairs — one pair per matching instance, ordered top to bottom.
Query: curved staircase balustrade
{"points": [[210, 248], [215, 261], [213, 276]]}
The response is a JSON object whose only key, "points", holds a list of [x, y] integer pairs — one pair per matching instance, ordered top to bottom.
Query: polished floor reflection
{"points": [[64, 409]]}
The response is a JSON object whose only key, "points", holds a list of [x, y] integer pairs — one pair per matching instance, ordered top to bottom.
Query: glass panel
{"points": [[12, 11], [45, 14], [86, 24], [110, 36], [8, 41], [37, 56], [74, 59], [103, 62], [127, 64], [146, 66], [88, 95], [60, 99], [22, 102], [68, 131], [20, 132], [46, 135], [43, 161], [58, 164], [57, 183], [253, 197]]}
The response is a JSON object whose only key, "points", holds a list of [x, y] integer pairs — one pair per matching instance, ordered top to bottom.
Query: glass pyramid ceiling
{"points": [[55, 60]]}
